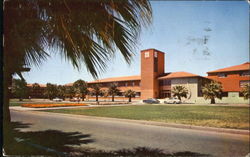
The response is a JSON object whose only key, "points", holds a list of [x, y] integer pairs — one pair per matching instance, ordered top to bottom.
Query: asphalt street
{"points": [[114, 135]]}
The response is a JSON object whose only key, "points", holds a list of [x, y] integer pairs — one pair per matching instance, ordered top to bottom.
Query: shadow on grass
{"points": [[58, 143]]}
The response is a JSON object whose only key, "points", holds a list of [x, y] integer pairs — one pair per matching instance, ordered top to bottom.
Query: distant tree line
{"points": [[79, 89], [211, 90]]}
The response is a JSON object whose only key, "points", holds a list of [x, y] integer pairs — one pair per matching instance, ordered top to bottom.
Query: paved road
{"points": [[113, 135]]}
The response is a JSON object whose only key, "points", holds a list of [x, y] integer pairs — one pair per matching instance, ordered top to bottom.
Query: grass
{"points": [[212, 116]]}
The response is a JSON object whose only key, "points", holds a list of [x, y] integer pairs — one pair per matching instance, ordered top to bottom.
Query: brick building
{"points": [[233, 79], [153, 82]]}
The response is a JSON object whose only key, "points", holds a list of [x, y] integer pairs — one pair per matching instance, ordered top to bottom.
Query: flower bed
{"points": [[51, 105]]}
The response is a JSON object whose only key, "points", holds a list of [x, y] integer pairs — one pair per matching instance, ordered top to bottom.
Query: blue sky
{"points": [[179, 30]]}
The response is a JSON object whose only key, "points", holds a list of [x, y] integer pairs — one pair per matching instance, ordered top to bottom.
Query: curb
{"points": [[162, 124]]}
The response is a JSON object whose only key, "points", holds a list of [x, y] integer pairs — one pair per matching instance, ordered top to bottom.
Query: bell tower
{"points": [[152, 65]]}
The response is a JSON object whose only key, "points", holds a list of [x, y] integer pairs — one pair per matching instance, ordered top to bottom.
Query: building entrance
{"points": [[165, 94]]}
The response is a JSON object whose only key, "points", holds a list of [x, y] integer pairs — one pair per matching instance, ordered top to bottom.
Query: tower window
{"points": [[146, 54], [155, 54], [155, 64]]}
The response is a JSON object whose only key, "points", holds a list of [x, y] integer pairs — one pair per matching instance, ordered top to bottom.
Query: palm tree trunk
{"points": [[96, 97], [113, 98], [179, 98], [129, 99], [212, 100], [6, 111]]}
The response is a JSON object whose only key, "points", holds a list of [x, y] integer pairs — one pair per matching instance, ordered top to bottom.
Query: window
{"points": [[146, 54], [155, 54], [155, 64], [245, 73], [222, 75], [165, 82], [245, 82], [133, 83], [138, 94], [200, 94], [224, 94], [241, 94]]}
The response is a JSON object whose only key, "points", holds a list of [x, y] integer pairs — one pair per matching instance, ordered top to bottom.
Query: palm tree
{"points": [[85, 32], [89, 33], [81, 88], [20, 89], [96, 90], [113, 90], [212, 90], [51, 91], [61, 91], [70, 91], [179, 91], [245, 91], [129, 94]]}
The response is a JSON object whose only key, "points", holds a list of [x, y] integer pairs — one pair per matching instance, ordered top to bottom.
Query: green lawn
{"points": [[213, 116]]}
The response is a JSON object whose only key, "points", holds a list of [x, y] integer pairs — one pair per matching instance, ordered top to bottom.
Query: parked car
{"points": [[57, 99], [75, 100], [151, 101], [172, 101]]}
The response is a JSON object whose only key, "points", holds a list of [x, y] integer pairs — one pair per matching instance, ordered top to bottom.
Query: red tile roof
{"points": [[241, 67], [180, 74], [116, 79], [69, 84], [41, 85]]}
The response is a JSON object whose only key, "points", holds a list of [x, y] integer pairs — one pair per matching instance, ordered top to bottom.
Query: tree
{"points": [[84, 32], [90, 33], [35, 88], [81, 88], [20, 89], [96, 90], [113, 90], [212, 90], [51, 91], [61, 91], [70, 91], [179, 91], [245, 91], [129, 94]]}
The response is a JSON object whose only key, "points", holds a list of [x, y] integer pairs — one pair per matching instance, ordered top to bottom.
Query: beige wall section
{"points": [[192, 86], [233, 98]]}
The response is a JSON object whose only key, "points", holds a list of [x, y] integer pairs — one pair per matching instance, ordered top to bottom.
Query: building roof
{"points": [[153, 50], [241, 67], [180, 74], [117, 79], [69, 84], [41, 85]]}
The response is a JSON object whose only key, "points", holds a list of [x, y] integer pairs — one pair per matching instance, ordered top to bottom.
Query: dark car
{"points": [[151, 101]]}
